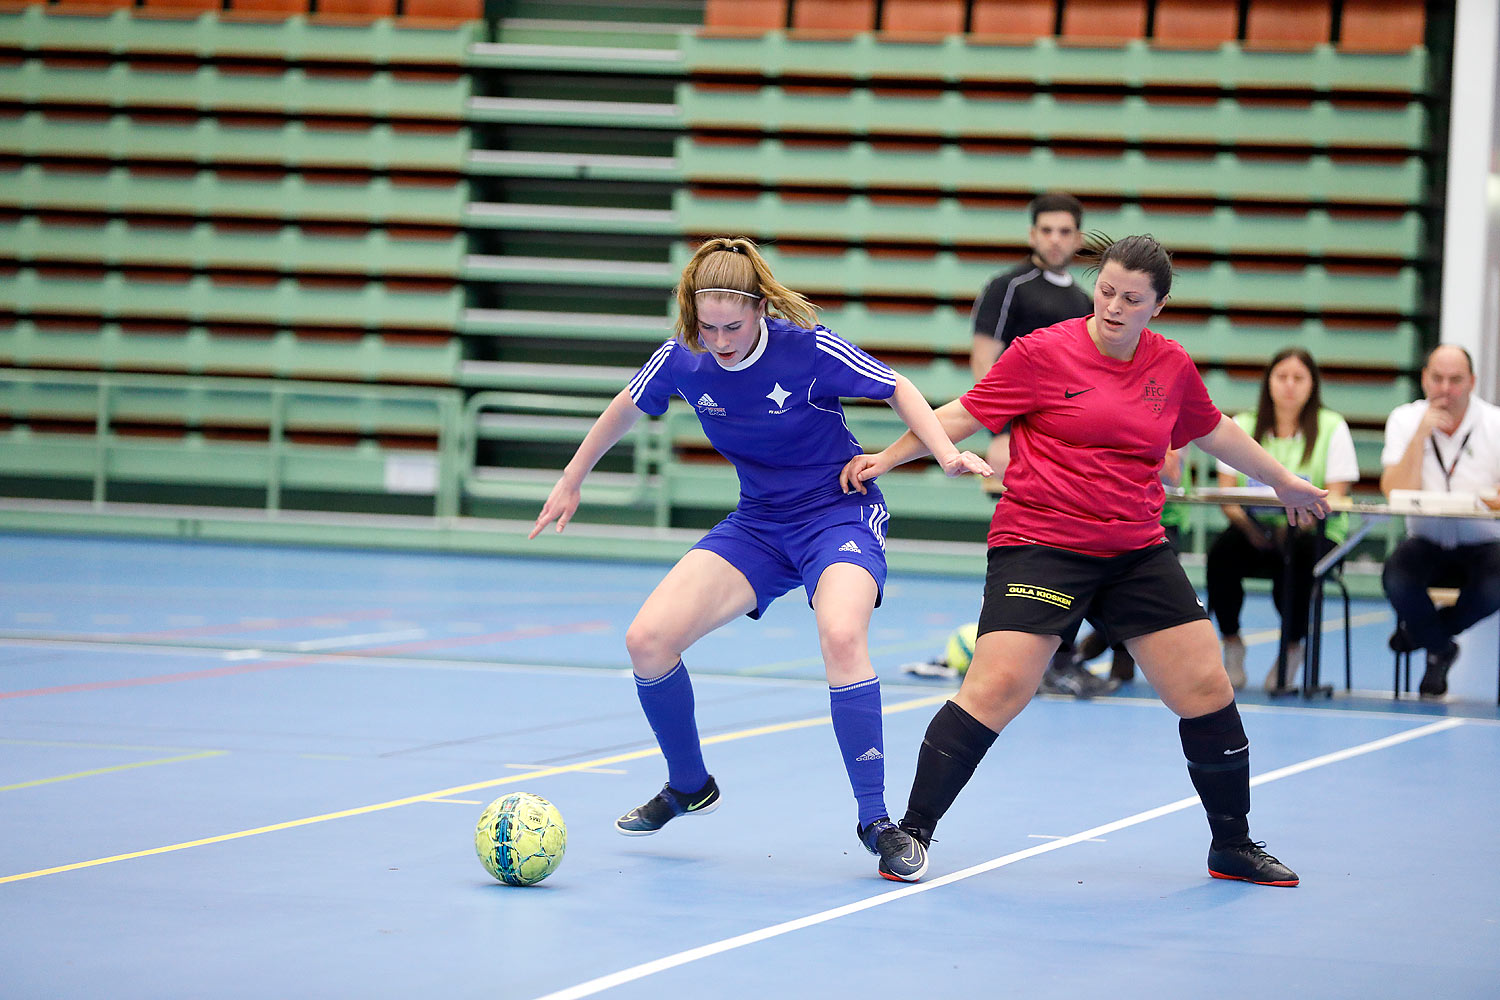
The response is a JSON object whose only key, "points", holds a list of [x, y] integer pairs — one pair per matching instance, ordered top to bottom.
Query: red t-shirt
{"points": [[1089, 437]]}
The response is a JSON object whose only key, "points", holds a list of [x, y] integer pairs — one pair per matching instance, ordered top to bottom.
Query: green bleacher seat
{"points": [[294, 39], [1044, 62], [296, 91], [1042, 117], [210, 141], [1129, 173], [377, 200], [954, 222], [204, 245], [1220, 285], [200, 299], [1242, 341], [199, 350], [1364, 400], [194, 404]]}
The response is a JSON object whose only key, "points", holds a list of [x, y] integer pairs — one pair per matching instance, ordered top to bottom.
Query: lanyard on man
{"points": [[1446, 468]]}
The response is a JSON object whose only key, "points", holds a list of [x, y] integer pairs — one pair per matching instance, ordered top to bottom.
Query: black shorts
{"points": [[1048, 591]]}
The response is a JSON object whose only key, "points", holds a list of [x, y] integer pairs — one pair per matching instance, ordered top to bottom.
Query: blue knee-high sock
{"points": [[668, 703], [856, 722]]}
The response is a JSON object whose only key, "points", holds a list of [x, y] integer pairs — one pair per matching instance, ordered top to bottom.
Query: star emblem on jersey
{"points": [[778, 396], [849, 546]]}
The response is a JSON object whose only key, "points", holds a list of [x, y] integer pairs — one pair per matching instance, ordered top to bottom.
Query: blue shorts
{"points": [[776, 557]]}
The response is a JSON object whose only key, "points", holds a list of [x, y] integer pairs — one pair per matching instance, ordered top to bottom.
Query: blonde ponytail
{"points": [[733, 268]]}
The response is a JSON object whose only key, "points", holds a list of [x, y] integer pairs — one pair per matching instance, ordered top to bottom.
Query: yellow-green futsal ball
{"points": [[961, 647], [520, 838]]}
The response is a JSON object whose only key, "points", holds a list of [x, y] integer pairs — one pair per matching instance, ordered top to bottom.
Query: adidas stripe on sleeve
{"points": [[845, 370], [652, 386]]}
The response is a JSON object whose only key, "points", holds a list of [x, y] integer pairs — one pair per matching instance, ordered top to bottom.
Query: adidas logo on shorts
{"points": [[706, 400], [849, 546], [871, 754]]}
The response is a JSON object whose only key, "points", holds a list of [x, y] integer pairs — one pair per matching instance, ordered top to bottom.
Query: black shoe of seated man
{"points": [[1401, 640], [1435, 680], [1247, 861]]}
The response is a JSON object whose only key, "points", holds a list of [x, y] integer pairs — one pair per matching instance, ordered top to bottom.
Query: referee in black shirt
{"points": [[1036, 293]]}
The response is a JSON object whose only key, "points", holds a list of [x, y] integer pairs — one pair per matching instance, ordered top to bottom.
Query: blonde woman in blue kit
{"points": [[766, 387]]}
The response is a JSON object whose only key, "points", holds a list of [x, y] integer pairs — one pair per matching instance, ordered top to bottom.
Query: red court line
{"points": [[529, 632]]}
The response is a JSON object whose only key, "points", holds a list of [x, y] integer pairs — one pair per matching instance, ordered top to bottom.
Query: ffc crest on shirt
{"points": [[1154, 395]]}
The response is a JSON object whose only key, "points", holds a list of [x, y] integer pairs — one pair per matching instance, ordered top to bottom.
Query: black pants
{"points": [[1232, 558], [1417, 564]]}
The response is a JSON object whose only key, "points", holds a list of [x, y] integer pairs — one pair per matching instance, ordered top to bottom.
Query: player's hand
{"points": [[966, 463], [859, 470], [1304, 502], [560, 505]]}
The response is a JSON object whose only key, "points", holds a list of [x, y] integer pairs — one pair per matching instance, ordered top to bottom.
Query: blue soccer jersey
{"points": [[776, 415]]}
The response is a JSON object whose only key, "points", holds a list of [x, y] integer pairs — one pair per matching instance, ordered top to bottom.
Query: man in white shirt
{"points": [[1448, 441]]}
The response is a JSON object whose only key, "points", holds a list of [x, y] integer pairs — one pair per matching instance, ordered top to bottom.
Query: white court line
{"points": [[367, 639], [645, 969]]}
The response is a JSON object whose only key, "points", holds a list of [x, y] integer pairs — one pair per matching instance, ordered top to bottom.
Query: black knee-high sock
{"points": [[954, 745], [1218, 756]]}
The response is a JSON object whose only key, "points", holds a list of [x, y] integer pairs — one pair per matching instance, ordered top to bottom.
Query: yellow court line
{"points": [[1274, 634], [117, 767], [545, 772]]}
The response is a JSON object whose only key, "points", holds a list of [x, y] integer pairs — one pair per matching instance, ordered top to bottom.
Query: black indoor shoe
{"points": [[1401, 640], [1435, 680], [903, 858], [1247, 861]]}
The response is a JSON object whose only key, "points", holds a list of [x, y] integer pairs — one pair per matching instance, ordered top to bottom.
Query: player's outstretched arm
{"points": [[616, 420], [941, 427], [1229, 443]]}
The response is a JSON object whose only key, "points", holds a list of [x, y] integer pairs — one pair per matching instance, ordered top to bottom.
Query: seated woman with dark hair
{"points": [[1291, 423]]}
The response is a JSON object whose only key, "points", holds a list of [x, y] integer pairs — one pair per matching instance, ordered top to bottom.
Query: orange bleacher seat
{"points": [[86, 6], [170, 7], [266, 9], [355, 10], [445, 11], [743, 15], [841, 16], [936, 17], [1016, 18], [1096, 21], [1196, 23], [1288, 24], [1382, 25]]}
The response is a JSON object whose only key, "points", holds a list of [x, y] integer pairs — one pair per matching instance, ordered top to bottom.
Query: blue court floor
{"points": [[242, 771]]}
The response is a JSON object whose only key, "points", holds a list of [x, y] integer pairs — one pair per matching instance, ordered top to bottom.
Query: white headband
{"points": [[731, 291]]}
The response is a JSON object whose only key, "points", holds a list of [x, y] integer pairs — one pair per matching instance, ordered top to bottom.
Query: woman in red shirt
{"points": [[1095, 404]]}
